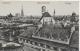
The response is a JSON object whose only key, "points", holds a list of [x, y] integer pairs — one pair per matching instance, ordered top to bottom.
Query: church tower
{"points": [[43, 9], [22, 12], [54, 13], [46, 17]]}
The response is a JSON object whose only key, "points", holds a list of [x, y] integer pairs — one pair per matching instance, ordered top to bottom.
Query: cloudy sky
{"points": [[34, 7]]}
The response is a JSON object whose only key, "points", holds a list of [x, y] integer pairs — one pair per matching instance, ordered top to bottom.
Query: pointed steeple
{"points": [[22, 12], [54, 13]]}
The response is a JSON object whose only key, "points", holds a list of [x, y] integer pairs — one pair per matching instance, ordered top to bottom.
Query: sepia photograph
{"points": [[39, 25]]}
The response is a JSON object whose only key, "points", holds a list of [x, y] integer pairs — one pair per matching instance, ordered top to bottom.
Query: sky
{"points": [[34, 7]]}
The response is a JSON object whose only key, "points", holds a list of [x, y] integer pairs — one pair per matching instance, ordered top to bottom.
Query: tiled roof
{"points": [[46, 14], [28, 32], [54, 32]]}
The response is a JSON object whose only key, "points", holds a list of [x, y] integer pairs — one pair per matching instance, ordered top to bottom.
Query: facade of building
{"points": [[46, 17], [50, 36], [44, 42]]}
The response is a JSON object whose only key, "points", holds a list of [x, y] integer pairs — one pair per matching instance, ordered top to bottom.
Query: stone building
{"points": [[50, 36]]}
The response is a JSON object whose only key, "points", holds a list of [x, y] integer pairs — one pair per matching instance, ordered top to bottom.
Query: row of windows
{"points": [[38, 44], [42, 45]]}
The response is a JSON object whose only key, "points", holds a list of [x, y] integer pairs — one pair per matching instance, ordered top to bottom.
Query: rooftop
{"points": [[46, 14], [28, 32], [53, 33], [75, 40]]}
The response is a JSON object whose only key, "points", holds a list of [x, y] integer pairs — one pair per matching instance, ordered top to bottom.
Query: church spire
{"points": [[22, 12], [54, 12]]}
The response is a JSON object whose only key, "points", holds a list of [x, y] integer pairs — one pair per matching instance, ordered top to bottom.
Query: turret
{"points": [[43, 9], [73, 17]]}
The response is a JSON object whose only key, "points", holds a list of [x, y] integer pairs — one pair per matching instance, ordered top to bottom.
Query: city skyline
{"points": [[34, 8]]}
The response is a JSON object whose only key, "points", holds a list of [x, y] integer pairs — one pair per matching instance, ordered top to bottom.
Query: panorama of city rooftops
{"points": [[52, 26]]}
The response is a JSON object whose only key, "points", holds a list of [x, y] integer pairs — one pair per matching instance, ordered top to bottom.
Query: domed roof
{"points": [[43, 6], [73, 13], [10, 15]]}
